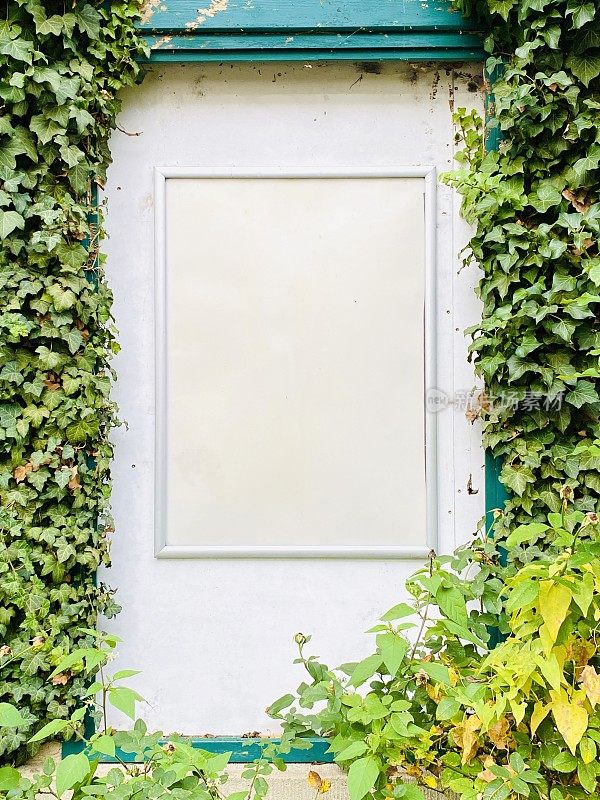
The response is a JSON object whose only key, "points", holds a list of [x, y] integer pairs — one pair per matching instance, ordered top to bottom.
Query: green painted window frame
{"points": [[177, 31]]}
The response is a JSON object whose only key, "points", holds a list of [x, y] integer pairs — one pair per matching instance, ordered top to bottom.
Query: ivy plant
{"points": [[61, 68], [534, 204]]}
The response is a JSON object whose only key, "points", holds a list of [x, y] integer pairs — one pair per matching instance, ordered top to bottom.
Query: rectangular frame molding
{"points": [[165, 551]]}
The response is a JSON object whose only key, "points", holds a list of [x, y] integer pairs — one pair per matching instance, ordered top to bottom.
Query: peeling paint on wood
{"points": [[215, 7], [148, 10], [310, 30]]}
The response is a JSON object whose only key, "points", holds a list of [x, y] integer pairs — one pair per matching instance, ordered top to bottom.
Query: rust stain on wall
{"points": [[215, 7]]}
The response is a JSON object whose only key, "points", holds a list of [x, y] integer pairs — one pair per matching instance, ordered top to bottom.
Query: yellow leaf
{"points": [[22, 472], [554, 600], [454, 676], [590, 680], [435, 692], [519, 710], [539, 714], [571, 721], [499, 734], [465, 736], [486, 774], [314, 780], [430, 781], [325, 786]]}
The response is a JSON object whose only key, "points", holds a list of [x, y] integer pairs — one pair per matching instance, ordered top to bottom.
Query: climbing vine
{"points": [[61, 67], [534, 202]]}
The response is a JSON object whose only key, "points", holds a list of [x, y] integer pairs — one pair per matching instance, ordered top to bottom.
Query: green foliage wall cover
{"points": [[61, 66], [534, 204], [535, 207]]}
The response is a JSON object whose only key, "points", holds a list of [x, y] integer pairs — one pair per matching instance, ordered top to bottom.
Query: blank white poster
{"points": [[294, 362]]}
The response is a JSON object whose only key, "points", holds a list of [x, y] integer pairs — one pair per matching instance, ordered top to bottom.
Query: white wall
{"points": [[214, 638]]}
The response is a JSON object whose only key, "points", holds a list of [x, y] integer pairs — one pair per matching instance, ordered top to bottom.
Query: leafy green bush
{"points": [[445, 703], [166, 767]]}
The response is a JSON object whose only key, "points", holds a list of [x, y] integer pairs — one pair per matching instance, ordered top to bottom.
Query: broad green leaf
{"points": [[502, 7], [581, 14], [88, 21], [53, 25], [19, 49], [45, 128], [79, 177], [546, 197], [62, 299], [517, 477], [525, 533], [522, 595], [452, 604], [398, 612], [393, 648], [70, 660], [366, 669], [124, 699], [277, 706], [447, 708], [10, 716], [50, 729], [104, 744], [588, 749], [352, 751], [218, 762], [71, 770], [362, 777], [587, 777], [9, 778]]}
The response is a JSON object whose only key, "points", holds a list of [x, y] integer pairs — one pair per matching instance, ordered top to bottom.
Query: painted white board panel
{"points": [[295, 362], [213, 638]]}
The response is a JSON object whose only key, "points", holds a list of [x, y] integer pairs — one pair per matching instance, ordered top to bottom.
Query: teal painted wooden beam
{"points": [[302, 15], [308, 30], [263, 56], [243, 750]]}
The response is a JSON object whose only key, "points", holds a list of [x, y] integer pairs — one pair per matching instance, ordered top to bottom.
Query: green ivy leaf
{"points": [[502, 7], [582, 13], [19, 49], [585, 67], [10, 221], [584, 392]]}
